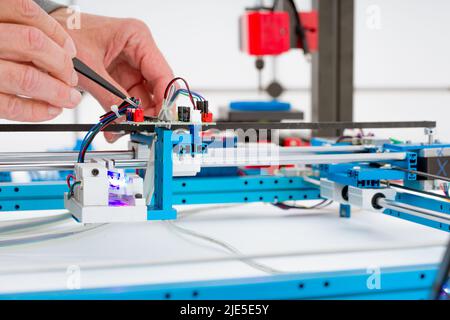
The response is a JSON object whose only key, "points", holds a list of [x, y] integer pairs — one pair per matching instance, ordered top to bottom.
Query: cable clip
{"points": [[115, 109]]}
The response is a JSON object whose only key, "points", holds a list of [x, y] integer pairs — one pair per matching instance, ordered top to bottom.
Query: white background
{"points": [[402, 70]]}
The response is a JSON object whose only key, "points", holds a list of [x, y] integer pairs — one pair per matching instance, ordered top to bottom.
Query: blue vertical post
{"points": [[196, 139], [162, 208], [344, 210]]}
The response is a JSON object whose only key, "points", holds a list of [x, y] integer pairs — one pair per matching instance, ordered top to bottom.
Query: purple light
{"points": [[116, 182], [120, 201], [117, 203]]}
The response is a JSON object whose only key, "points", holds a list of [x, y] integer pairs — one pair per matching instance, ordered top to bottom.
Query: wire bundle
{"points": [[172, 93], [105, 121], [70, 185]]}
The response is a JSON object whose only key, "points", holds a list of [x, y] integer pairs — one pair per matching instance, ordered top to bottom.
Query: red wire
{"points": [[191, 97], [70, 176]]}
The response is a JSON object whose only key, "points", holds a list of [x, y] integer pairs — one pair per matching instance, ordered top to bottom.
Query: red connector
{"points": [[138, 115], [207, 117]]}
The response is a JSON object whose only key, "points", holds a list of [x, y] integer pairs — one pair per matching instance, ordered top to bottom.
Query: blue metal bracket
{"points": [[162, 208]]}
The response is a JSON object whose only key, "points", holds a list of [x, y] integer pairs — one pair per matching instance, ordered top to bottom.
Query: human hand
{"points": [[123, 52], [37, 77]]}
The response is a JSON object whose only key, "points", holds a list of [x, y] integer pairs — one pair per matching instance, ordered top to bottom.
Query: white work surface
{"points": [[157, 252]]}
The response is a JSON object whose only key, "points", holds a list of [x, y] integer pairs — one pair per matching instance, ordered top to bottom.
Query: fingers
{"points": [[27, 12], [31, 41], [28, 44], [143, 54], [157, 73], [126, 75], [19, 79], [140, 91], [105, 98], [22, 109]]}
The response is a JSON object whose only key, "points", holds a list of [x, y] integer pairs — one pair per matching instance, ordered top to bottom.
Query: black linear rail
{"points": [[220, 126]]}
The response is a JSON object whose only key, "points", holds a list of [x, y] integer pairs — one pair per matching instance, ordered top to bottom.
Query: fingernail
{"points": [[69, 46], [74, 80], [75, 97], [53, 111]]}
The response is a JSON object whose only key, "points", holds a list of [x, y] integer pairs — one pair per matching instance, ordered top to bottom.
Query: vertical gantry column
{"points": [[332, 65], [163, 166]]}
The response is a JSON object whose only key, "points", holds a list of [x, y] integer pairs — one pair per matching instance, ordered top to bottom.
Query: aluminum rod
{"points": [[257, 147], [129, 154], [63, 156], [228, 158], [231, 160], [64, 165], [413, 210]]}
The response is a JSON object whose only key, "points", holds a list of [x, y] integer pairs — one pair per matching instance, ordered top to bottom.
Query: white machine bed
{"points": [[161, 252]]}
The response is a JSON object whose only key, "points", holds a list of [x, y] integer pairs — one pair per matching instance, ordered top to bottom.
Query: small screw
{"points": [[95, 172]]}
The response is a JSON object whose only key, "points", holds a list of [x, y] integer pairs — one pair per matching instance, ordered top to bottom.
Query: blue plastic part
{"points": [[260, 106], [414, 147], [363, 176], [5, 177], [162, 208], [344, 210], [410, 282]]}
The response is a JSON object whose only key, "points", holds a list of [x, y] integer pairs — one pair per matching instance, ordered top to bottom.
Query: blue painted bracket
{"points": [[162, 208], [345, 210]]}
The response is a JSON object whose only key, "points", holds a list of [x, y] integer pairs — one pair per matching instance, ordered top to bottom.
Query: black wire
{"points": [[341, 138], [72, 189], [323, 204]]}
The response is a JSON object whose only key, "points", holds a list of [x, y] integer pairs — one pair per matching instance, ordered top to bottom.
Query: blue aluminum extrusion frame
{"points": [[206, 190], [162, 208], [412, 282]]}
